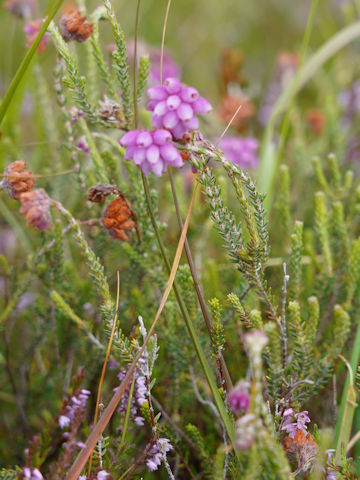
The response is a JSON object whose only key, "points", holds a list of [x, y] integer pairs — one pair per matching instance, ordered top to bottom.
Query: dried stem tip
{"points": [[118, 218]]}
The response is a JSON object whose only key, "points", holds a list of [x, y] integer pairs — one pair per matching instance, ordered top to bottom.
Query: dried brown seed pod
{"points": [[73, 25], [316, 121], [17, 179], [118, 217]]}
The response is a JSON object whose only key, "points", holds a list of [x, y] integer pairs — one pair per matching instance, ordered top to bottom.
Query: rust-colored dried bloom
{"points": [[73, 25], [232, 60], [230, 104], [316, 121], [17, 180], [98, 193], [35, 206], [119, 218], [301, 450]]}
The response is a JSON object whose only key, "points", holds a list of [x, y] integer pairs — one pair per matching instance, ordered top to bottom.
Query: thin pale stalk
{"points": [[163, 40], [304, 46], [136, 114], [201, 299], [185, 314], [98, 397], [346, 410], [127, 415], [81, 460]]}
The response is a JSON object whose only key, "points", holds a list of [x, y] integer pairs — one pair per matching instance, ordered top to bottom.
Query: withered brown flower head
{"points": [[73, 25], [232, 60], [228, 107], [316, 121], [17, 180], [98, 193], [35, 206], [118, 218], [301, 450]]}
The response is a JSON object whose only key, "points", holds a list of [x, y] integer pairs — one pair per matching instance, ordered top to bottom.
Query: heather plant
{"points": [[165, 315]]}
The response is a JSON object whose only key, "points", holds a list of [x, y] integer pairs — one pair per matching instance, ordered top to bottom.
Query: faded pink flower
{"points": [[32, 29], [35, 206]]}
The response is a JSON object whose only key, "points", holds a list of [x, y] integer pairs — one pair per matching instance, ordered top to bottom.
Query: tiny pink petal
{"points": [[172, 85], [157, 93], [189, 94], [173, 102], [151, 105], [201, 106], [161, 108], [185, 112], [170, 120], [157, 121], [192, 124], [179, 130], [161, 136], [129, 138], [144, 139], [129, 153], [169, 153], [153, 154], [139, 155], [146, 168], [158, 168]]}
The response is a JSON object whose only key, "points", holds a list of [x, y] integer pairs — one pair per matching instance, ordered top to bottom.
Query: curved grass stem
{"points": [[53, 8], [269, 158], [224, 371]]}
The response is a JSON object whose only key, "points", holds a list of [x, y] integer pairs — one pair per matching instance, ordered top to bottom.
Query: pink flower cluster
{"points": [[31, 30], [175, 106], [152, 151], [241, 151], [239, 398], [137, 399], [76, 403], [292, 427], [154, 462], [330, 473], [32, 474], [102, 475]]}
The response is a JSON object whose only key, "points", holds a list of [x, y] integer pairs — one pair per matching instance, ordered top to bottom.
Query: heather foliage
{"points": [[125, 187]]}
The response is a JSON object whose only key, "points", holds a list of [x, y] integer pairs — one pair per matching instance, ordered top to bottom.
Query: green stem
{"points": [[53, 8], [305, 43], [185, 314], [200, 353], [224, 373], [346, 411], [127, 416]]}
